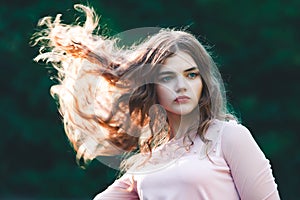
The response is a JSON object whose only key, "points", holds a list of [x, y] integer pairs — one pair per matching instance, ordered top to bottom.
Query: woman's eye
{"points": [[192, 75], [166, 79]]}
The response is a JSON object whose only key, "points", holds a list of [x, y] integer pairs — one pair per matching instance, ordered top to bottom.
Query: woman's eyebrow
{"points": [[190, 69], [165, 72], [171, 72]]}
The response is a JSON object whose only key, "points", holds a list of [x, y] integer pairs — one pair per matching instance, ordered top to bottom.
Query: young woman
{"points": [[161, 104]]}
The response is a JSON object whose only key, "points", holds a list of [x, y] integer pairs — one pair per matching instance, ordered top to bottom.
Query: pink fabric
{"points": [[235, 169]]}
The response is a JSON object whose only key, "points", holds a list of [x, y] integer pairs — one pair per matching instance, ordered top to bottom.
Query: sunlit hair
{"points": [[107, 94]]}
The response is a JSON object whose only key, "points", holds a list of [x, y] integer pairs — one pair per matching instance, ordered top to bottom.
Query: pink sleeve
{"points": [[250, 169], [123, 188]]}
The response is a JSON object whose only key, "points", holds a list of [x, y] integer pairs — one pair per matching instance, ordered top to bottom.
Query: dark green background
{"points": [[256, 44]]}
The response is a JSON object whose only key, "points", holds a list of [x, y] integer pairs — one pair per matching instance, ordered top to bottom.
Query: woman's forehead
{"points": [[179, 62]]}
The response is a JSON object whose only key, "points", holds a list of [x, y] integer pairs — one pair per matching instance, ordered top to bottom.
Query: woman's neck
{"points": [[182, 124]]}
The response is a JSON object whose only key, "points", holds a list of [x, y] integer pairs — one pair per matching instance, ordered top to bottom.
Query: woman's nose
{"points": [[181, 85]]}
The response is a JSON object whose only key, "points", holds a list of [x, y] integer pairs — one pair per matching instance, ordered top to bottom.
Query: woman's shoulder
{"points": [[229, 127], [217, 130], [229, 131], [233, 133]]}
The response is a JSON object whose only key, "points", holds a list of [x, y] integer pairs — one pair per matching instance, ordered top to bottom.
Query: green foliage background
{"points": [[256, 44]]}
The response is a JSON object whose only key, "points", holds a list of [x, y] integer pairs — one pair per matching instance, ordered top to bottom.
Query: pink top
{"points": [[235, 168]]}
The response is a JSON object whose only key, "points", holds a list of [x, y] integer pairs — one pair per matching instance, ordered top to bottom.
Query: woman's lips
{"points": [[182, 99]]}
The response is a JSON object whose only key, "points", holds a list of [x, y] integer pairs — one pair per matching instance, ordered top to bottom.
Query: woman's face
{"points": [[179, 84]]}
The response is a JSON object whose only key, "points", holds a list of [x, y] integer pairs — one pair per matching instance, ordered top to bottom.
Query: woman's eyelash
{"points": [[193, 74], [190, 75], [165, 78]]}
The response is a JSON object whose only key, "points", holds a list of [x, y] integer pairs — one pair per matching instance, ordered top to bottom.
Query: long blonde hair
{"points": [[107, 94]]}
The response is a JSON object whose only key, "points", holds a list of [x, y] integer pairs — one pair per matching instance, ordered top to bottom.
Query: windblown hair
{"points": [[107, 94]]}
